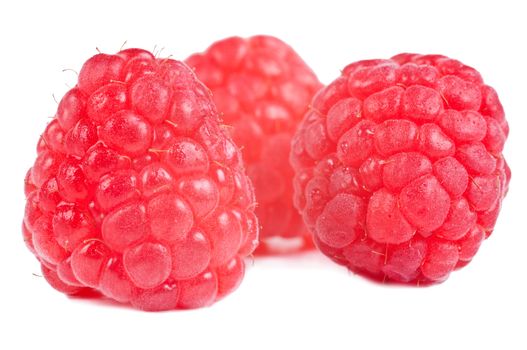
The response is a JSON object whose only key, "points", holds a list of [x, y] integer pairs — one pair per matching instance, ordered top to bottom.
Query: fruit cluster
{"points": [[142, 189]]}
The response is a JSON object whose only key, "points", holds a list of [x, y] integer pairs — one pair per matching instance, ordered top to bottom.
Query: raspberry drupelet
{"points": [[262, 89], [399, 172], [137, 192]]}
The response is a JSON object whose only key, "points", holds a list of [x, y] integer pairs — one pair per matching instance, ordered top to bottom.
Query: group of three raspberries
{"points": [[157, 177]]}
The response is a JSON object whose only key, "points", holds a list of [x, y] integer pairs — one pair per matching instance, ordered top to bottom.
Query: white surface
{"points": [[303, 302]]}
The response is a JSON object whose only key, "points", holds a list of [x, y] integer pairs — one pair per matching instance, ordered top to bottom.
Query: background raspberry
{"points": [[262, 88], [399, 170], [136, 191]]}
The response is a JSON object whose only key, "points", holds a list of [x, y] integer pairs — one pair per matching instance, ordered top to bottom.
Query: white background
{"points": [[296, 302]]}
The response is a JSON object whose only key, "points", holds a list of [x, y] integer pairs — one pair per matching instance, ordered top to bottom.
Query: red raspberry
{"points": [[262, 88], [399, 167], [137, 192]]}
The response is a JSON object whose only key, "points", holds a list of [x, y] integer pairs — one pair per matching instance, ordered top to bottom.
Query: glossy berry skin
{"points": [[262, 89], [399, 172], [137, 192]]}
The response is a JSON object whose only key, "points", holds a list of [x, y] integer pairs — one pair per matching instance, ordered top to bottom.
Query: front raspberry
{"points": [[262, 88], [399, 167], [137, 192]]}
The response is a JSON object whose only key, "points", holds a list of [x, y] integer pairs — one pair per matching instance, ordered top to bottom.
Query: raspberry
{"points": [[262, 88], [399, 172], [137, 192]]}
